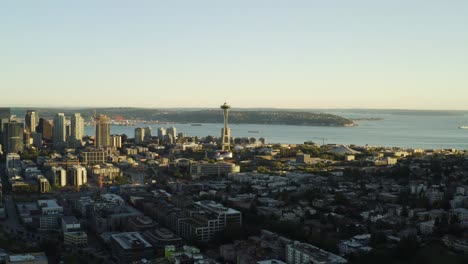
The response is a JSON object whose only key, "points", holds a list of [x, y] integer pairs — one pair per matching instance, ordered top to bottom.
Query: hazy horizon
{"points": [[300, 54], [232, 109]]}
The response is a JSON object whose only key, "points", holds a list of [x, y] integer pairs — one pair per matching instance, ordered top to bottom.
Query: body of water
{"points": [[427, 132]]}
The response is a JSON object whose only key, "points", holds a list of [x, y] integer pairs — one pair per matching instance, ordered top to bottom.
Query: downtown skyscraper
{"points": [[5, 114], [31, 120], [77, 127], [46, 128], [60, 130], [102, 132], [12, 136]]}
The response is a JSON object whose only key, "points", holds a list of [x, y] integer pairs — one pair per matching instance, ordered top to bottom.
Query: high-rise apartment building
{"points": [[5, 114], [31, 120], [45, 127], [77, 127], [60, 130], [172, 131], [102, 132], [148, 134], [161, 134], [139, 135], [12, 137], [116, 141], [77, 175], [58, 176]]}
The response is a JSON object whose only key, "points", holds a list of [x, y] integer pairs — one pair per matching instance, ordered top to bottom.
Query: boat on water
{"points": [[196, 124], [463, 127], [254, 131]]}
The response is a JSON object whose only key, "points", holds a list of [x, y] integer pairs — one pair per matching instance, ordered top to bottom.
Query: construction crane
{"points": [[100, 181]]}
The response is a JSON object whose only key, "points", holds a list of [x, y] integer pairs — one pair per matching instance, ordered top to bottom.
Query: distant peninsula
{"points": [[270, 117]]}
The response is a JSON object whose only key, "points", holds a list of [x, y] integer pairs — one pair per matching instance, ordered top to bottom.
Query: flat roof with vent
{"points": [[131, 240]]}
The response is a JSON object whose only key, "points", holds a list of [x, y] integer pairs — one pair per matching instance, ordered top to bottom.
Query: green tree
{"points": [[121, 180], [407, 248]]}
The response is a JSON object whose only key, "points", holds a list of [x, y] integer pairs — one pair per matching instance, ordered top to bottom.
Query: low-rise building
{"points": [[92, 157], [203, 169], [107, 171], [50, 213], [111, 219], [206, 219], [70, 224], [141, 224], [426, 228], [162, 237], [77, 239], [356, 244], [130, 247], [301, 253], [27, 258], [271, 261]]}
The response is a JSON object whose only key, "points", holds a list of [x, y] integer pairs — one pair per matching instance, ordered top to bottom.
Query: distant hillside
{"points": [[427, 113], [257, 117], [274, 117]]}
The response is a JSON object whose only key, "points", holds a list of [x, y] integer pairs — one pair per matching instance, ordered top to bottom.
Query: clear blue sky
{"points": [[253, 53]]}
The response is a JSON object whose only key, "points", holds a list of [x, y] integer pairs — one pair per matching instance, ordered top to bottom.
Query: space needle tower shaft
{"points": [[226, 131]]}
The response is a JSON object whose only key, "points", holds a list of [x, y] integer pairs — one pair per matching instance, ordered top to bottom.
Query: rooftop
{"points": [[110, 197], [48, 203], [216, 207], [70, 220], [130, 240], [318, 254], [40, 256], [272, 261]]}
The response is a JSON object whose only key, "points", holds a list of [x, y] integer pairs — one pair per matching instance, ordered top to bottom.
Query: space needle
{"points": [[226, 131]]}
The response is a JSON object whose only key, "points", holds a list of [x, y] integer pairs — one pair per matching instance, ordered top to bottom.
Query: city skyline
{"points": [[301, 54], [259, 132]]}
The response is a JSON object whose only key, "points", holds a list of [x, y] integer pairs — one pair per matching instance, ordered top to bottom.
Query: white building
{"points": [[77, 127], [60, 130], [172, 131], [161, 133], [116, 141], [13, 161], [77, 175], [59, 176], [208, 219], [301, 253]]}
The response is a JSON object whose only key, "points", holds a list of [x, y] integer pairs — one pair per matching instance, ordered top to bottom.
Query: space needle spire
{"points": [[226, 131]]}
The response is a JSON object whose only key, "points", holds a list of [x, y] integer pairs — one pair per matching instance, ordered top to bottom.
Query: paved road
{"points": [[12, 224]]}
